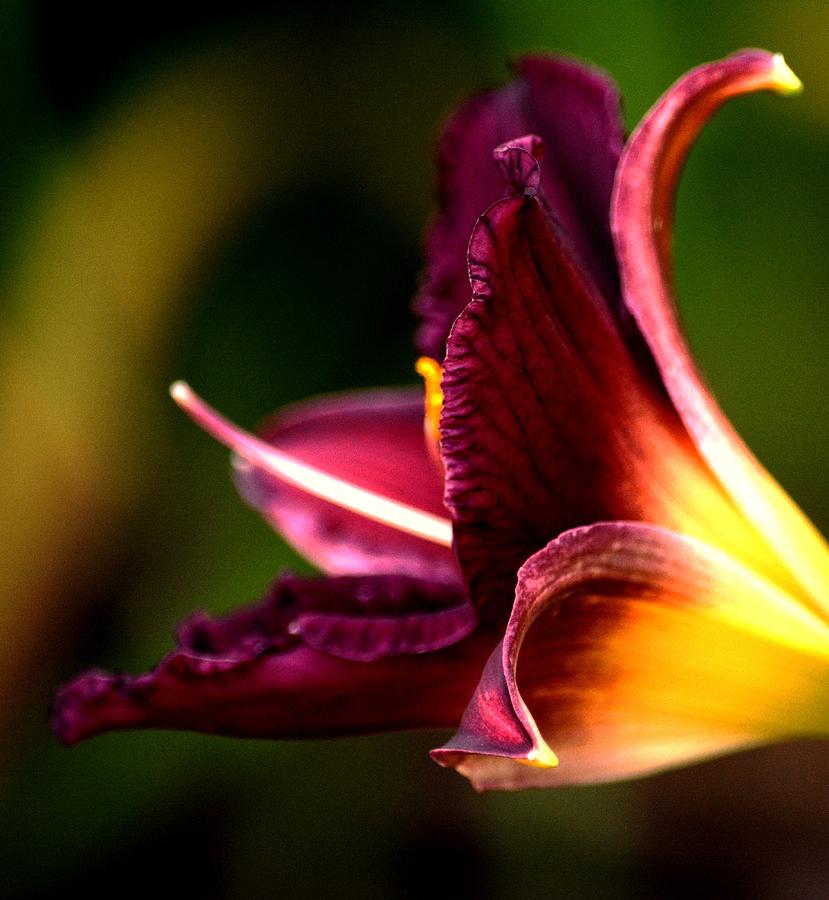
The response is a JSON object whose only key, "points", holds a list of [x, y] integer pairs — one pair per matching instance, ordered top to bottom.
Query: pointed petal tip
{"points": [[785, 82], [181, 392], [456, 754], [541, 756], [489, 770]]}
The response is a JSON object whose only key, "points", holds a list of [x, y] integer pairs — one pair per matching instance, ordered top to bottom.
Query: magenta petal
{"points": [[574, 110], [642, 219], [374, 440], [252, 673]]}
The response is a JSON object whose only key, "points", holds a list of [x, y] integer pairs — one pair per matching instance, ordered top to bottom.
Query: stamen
{"points": [[431, 371], [319, 484]]}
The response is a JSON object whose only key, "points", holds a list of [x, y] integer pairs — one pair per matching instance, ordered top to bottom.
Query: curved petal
{"points": [[575, 111], [642, 216], [549, 421], [368, 496], [632, 649], [262, 672]]}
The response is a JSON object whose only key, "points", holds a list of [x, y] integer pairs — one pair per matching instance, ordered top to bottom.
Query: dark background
{"points": [[237, 197]]}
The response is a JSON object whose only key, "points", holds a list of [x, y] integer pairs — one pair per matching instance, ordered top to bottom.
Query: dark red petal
{"points": [[575, 112], [643, 226], [548, 420], [374, 440], [354, 617], [253, 674]]}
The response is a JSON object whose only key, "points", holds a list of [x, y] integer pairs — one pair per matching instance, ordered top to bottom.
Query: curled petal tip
{"points": [[786, 83], [518, 161]]}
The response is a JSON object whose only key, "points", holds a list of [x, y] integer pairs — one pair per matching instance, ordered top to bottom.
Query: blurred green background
{"points": [[237, 198]]}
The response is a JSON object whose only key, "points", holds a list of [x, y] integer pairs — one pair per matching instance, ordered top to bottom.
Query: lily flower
{"points": [[571, 524]]}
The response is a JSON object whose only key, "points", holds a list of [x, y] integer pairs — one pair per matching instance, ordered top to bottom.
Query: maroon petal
{"points": [[575, 111], [642, 225], [548, 420], [371, 439], [255, 674]]}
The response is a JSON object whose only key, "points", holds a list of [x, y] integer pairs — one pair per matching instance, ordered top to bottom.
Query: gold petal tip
{"points": [[784, 80], [542, 757]]}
